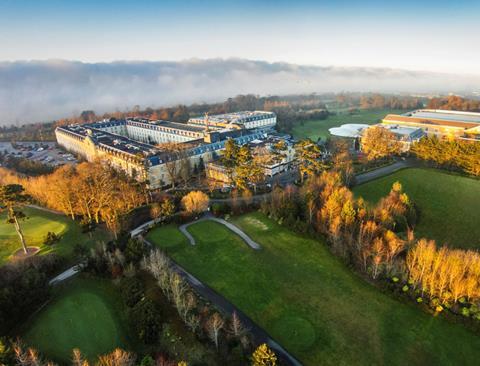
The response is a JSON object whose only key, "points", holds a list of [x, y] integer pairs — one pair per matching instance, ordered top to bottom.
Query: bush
{"points": [[220, 209], [51, 238], [80, 250], [134, 250], [132, 291], [146, 320]]}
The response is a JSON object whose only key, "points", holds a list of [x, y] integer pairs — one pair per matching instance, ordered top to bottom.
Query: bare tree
{"points": [[214, 326]]}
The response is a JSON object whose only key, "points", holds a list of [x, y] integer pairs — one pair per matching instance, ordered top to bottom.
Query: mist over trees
{"points": [[48, 90]]}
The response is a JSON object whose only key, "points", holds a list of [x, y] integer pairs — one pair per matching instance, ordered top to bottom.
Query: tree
{"points": [[378, 142], [229, 158], [309, 158], [174, 159], [12, 197], [195, 202], [167, 208], [156, 211], [214, 326], [236, 327], [264, 356], [118, 357], [78, 359]]}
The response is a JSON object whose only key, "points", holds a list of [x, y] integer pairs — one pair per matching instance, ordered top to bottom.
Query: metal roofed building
{"points": [[246, 119], [439, 122], [406, 135], [134, 145]]}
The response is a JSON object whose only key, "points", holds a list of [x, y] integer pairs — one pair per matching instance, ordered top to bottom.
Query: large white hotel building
{"points": [[135, 144]]}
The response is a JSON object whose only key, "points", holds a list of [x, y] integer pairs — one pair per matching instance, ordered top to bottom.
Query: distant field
{"points": [[319, 128], [449, 205], [36, 227], [310, 302], [85, 314]]}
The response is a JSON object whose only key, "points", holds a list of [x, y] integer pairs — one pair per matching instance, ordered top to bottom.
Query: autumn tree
{"points": [[378, 142], [175, 157], [229, 158], [309, 158], [248, 169], [12, 198], [195, 202], [162, 210], [214, 326], [264, 356], [118, 357]]}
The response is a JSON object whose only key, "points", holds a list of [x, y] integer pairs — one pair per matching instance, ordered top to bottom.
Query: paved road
{"points": [[386, 170], [250, 242], [72, 271], [259, 334]]}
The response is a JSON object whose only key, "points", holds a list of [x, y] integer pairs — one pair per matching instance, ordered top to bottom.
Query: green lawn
{"points": [[319, 128], [449, 205], [36, 227], [310, 302], [84, 314]]}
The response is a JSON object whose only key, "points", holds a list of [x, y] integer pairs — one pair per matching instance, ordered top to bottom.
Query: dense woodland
{"points": [[378, 101], [456, 103], [451, 154], [92, 191]]}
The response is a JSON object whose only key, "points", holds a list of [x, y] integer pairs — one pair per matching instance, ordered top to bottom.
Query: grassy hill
{"points": [[319, 128], [449, 205], [36, 227], [311, 302], [85, 314]]}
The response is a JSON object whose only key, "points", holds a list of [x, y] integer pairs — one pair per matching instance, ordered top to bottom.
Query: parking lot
{"points": [[43, 152]]}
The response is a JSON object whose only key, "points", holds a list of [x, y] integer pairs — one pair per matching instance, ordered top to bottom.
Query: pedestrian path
{"points": [[249, 241]]}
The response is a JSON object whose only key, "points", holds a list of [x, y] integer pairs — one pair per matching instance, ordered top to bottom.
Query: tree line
{"points": [[377, 101], [456, 103], [451, 154], [94, 192], [379, 240]]}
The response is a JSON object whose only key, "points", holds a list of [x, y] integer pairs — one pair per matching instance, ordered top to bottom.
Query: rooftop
{"points": [[236, 117], [458, 119]]}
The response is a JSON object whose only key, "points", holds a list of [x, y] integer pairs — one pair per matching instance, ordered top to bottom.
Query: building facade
{"points": [[458, 124], [135, 145]]}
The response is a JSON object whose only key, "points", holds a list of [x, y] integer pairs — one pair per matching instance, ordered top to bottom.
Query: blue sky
{"points": [[423, 35]]}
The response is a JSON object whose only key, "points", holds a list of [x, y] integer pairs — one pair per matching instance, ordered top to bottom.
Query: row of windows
{"points": [[165, 129]]}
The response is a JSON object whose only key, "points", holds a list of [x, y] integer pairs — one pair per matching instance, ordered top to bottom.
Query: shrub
{"points": [[51, 238], [132, 291], [146, 320]]}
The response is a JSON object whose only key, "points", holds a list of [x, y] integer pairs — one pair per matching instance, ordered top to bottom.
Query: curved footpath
{"points": [[250, 242]]}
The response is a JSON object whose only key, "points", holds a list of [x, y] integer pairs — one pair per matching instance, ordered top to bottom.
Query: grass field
{"points": [[319, 128], [449, 205], [36, 227], [310, 302], [84, 314]]}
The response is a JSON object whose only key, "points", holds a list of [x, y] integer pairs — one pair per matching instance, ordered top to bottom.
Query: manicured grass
{"points": [[319, 128], [449, 205], [36, 227], [310, 302], [84, 314]]}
